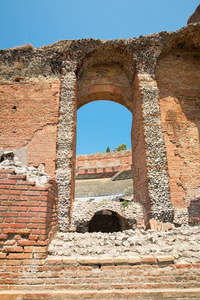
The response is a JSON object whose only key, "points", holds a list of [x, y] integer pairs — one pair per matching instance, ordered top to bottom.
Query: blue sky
{"points": [[42, 22]]}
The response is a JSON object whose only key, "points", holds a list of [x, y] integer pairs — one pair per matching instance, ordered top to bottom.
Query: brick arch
{"points": [[104, 82], [105, 92]]}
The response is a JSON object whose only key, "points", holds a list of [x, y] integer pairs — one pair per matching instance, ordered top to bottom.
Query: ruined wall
{"points": [[195, 17], [157, 79], [41, 89], [31, 110], [180, 115], [66, 149], [149, 157], [104, 162], [140, 179], [83, 211], [28, 217], [134, 277]]}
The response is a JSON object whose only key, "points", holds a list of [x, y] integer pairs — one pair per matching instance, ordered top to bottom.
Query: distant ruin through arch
{"points": [[99, 124]]}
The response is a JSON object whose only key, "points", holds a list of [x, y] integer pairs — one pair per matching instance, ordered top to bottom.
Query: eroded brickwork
{"points": [[31, 110], [180, 115]]}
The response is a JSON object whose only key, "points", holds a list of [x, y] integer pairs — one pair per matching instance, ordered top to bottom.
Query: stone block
{"points": [[165, 259], [88, 260], [107, 260], [120, 260], [133, 260]]}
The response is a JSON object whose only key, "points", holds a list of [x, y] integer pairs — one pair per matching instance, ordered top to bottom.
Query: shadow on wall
{"points": [[194, 212], [105, 221]]}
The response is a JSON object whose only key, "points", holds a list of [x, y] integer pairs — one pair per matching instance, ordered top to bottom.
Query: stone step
{"points": [[89, 284], [166, 294]]}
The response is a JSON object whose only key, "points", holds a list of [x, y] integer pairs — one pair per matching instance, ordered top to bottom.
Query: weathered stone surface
{"points": [[195, 17], [33, 174], [83, 211], [177, 244], [163, 259], [134, 260], [88, 261]]}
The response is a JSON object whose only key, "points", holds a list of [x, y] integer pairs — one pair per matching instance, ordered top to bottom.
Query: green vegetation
{"points": [[121, 147], [108, 149], [124, 204]]}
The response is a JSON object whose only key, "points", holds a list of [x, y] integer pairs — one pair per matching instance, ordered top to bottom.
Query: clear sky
{"points": [[43, 22]]}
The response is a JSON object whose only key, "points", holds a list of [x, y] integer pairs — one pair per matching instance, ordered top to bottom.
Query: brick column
{"points": [[149, 155], [65, 174]]}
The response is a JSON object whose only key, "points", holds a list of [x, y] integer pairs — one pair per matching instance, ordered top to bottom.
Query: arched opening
{"points": [[105, 75], [104, 82], [110, 84], [102, 124], [103, 174], [107, 221]]}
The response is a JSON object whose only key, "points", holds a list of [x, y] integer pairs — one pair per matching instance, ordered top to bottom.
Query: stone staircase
{"points": [[106, 278]]}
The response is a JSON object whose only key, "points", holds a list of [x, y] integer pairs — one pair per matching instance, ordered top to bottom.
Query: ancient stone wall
{"points": [[195, 17], [104, 162], [83, 211], [178, 243], [133, 277]]}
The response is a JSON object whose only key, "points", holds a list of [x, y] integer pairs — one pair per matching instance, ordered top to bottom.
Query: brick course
{"points": [[21, 210]]}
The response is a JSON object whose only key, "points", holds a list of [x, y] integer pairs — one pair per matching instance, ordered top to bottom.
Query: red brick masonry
{"points": [[28, 216]]}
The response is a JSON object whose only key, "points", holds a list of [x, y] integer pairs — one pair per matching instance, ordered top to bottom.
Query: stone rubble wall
{"points": [[156, 159], [33, 174], [65, 174], [83, 211], [182, 243]]}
